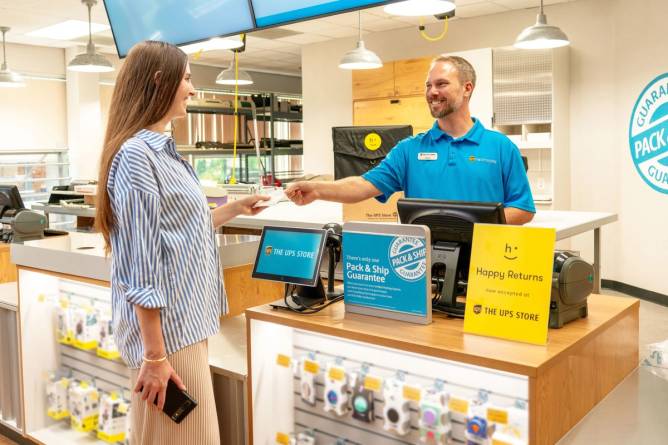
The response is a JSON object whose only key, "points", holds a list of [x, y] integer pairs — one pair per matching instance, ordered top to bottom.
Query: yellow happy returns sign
{"points": [[509, 285]]}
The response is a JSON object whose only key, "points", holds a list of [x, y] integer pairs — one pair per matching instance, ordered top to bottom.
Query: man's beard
{"points": [[447, 109]]}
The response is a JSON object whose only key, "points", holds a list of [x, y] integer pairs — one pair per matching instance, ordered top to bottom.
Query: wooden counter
{"points": [[581, 363]]}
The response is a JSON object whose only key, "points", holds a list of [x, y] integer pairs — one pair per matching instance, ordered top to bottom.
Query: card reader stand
{"points": [[445, 263], [307, 296]]}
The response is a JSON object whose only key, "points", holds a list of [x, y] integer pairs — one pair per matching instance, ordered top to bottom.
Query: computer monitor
{"points": [[10, 198], [451, 225], [293, 255]]}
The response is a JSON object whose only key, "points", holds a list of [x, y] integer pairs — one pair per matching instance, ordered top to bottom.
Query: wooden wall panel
{"points": [[410, 76], [372, 84], [406, 110], [7, 268], [244, 292]]}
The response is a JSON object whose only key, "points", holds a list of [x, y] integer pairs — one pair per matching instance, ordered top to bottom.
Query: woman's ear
{"points": [[157, 76]]}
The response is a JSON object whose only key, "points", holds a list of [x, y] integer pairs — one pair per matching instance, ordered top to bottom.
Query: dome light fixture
{"points": [[420, 8], [541, 35], [360, 58], [90, 61], [227, 77], [8, 78]]}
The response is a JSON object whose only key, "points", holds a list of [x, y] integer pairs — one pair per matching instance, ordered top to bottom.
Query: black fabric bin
{"points": [[351, 155]]}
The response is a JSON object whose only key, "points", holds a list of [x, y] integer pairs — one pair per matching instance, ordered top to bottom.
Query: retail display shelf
{"points": [[534, 145], [11, 424], [62, 434]]}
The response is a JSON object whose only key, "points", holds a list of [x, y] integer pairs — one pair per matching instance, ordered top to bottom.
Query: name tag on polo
{"points": [[427, 156]]}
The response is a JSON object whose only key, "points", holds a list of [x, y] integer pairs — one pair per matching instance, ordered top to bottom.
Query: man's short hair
{"points": [[464, 68]]}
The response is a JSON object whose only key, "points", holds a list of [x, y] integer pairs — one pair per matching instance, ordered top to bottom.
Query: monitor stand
{"points": [[447, 254], [309, 296]]}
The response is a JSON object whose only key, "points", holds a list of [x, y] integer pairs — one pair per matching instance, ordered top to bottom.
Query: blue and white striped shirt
{"points": [[164, 252]]}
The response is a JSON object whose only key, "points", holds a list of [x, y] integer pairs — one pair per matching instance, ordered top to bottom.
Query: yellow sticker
{"points": [[372, 141], [41, 298], [64, 304], [283, 360], [311, 366], [337, 374], [372, 383], [412, 393], [458, 405], [123, 408], [497, 415], [282, 438], [499, 442]]}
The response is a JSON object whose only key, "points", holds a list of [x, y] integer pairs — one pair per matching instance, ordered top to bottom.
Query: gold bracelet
{"points": [[148, 360]]}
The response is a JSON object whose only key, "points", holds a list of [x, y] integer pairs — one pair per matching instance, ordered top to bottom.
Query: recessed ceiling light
{"points": [[68, 30], [213, 44]]}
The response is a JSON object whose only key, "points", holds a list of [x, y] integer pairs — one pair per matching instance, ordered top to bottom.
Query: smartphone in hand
{"points": [[178, 403]]}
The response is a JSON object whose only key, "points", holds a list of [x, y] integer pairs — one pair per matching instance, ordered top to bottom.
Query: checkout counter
{"points": [[256, 358]]}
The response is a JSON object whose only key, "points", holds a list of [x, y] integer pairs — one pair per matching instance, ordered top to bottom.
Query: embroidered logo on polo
{"points": [[648, 138], [485, 160], [408, 257]]}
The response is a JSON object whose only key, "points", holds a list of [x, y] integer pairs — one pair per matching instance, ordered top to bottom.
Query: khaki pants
{"points": [[150, 426]]}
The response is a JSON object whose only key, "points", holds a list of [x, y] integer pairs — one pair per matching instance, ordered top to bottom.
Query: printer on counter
{"points": [[19, 223], [572, 282]]}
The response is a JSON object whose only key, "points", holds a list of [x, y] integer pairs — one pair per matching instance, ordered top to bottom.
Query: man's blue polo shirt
{"points": [[483, 165]]}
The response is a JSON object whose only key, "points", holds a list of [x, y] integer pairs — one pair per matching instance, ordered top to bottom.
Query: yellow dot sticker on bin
{"points": [[372, 141], [283, 360], [311, 366], [337, 374], [372, 383], [412, 393], [458, 405], [497, 415], [282, 438]]}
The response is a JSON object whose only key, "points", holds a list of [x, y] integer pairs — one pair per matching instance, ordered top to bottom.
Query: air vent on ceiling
{"points": [[274, 33]]}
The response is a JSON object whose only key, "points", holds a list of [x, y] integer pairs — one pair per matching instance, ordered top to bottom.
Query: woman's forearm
{"points": [[151, 332]]}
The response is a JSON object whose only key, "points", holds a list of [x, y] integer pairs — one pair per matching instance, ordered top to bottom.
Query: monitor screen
{"points": [[272, 12], [175, 21], [10, 197], [290, 255]]}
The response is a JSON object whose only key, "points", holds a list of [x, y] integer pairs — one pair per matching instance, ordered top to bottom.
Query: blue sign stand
{"points": [[387, 271]]}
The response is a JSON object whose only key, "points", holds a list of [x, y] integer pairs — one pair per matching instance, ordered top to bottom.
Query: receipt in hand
{"points": [[275, 197]]}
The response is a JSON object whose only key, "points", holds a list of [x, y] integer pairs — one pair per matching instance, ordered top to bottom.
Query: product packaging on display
{"points": [[64, 323], [86, 327], [106, 347], [308, 371], [336, 390], [56, 397], [363, 398], [83, 406], [396, 409], [112, 421], [435, 424]]}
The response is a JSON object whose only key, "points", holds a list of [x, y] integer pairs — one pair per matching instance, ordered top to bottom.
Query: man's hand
{"points": [[302, 192]]}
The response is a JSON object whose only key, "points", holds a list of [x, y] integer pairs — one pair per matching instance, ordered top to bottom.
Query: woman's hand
{"points": [[246, 206], [152, 381]]}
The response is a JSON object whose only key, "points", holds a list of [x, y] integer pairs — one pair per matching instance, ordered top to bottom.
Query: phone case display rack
{"points": [[79, 387], [347, 392]]}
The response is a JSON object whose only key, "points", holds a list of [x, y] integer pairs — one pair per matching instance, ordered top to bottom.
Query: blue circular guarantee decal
{"points": [[648, 135], [408, 257]]}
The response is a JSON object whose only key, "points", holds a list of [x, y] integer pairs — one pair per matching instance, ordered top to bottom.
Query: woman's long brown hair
{"points": [[145, 88]]}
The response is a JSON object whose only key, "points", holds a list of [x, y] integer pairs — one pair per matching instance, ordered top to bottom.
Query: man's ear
{"points": [[157, 76]]}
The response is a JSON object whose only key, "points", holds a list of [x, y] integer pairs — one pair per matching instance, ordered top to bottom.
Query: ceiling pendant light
{"points": [[419, 8], [541, 35], [360, 58], [90, 61], [228, 77], [8, 78]]}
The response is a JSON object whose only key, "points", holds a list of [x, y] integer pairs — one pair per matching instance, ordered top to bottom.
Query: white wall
{"points": [[617, 48], [34, 116]]}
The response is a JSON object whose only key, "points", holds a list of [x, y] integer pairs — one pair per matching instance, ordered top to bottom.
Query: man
{"points": [[457, 159]]}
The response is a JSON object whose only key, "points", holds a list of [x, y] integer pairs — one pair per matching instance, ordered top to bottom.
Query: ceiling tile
{"points": [[480, 9], [304, 39]]}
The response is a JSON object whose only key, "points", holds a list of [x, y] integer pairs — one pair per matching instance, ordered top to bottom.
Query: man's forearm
{"points": [[347, 190], [517, 216], [151, 332]]}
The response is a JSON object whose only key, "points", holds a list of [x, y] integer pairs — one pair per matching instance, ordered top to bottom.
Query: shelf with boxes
{"points": [[78, 391]]}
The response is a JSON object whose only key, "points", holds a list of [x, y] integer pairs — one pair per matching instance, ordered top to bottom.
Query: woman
{"points": [[166, 286]]}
